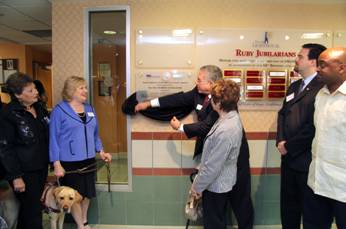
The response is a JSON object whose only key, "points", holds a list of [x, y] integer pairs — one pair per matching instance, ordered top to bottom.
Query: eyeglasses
{"points": [[198, 81]]}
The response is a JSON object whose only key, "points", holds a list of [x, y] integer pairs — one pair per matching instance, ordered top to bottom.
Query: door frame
{"points": [[87, 70]]}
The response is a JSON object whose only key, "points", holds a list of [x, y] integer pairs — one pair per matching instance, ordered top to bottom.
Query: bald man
{"points": [[325, 198]]}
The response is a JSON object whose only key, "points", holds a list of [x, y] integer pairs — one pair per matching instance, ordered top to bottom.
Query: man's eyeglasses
{"points": [[201, 81]]}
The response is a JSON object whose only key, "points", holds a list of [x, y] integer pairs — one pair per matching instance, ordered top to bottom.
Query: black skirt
{"points": [[84, 183]]}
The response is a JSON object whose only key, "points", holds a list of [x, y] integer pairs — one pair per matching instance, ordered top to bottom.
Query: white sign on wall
{"points": [[165, 48], [254, 48], [265, 59], [259, 60], [153, 84]]}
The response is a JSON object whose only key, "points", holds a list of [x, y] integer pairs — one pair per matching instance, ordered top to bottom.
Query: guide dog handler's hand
{"points": [[106, 157], [59, 171]]}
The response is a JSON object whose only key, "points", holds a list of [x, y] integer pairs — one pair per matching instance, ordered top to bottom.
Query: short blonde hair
{"points": [[70, 86]]}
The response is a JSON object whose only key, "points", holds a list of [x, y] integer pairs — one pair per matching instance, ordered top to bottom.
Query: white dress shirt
{"points": [[308, 79], [327, 172]]}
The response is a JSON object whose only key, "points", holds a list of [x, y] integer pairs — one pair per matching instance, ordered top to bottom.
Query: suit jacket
{"points": [[157, 113], [205, 114], [206, 118], [295, 124]]}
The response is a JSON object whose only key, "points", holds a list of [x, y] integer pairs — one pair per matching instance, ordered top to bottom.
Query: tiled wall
{"points": [[178, 154], [161, 164], [159, 200]]}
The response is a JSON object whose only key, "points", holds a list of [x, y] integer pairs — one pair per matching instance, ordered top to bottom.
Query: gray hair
{"points": [[214, 73]]}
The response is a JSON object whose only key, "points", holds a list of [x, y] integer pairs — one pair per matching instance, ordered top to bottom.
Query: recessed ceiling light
{"points": [[109, 32], [181, 32], [312, 35]]}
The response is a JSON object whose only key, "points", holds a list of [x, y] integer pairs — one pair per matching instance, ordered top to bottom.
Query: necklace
{"points": [[28, 107], [81, 114]]}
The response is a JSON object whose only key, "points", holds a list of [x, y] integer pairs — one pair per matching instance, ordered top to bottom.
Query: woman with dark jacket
{"points": [[24, 147]]}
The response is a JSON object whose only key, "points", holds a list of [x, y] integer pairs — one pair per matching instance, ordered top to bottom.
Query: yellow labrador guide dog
{"points": [[58, 200]]}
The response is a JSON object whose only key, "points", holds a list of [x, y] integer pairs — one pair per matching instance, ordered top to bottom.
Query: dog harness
{"points": [[47, 209]]}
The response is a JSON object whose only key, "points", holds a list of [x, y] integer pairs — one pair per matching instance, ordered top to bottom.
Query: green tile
{"points": [[168, 188], [269, 188], [143, 189], [266, 199], [159, 200], [108, 208], [139, 213], [169, 213], [271, 213]]}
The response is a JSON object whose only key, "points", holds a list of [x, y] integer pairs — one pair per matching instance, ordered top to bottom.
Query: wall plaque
{"points": [[153, 84]]}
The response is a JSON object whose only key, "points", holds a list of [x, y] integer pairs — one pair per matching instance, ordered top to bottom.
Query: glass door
{"points": [[108, 71]]}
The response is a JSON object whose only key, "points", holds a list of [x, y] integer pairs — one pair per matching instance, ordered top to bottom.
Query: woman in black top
{"points": [[24, 147]]}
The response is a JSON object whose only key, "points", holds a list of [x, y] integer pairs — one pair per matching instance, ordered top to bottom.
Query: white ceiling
{"points": [[17, 16]]}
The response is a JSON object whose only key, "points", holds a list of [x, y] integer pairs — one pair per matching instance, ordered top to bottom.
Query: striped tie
{"points": [[301, 87]]}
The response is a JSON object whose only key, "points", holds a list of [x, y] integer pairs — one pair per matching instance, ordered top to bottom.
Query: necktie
{"points": [[301, 87], [206, 101]]}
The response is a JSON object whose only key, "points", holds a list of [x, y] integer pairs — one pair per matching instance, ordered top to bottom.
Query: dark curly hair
{"points": [[16, 82], [227, 93]]}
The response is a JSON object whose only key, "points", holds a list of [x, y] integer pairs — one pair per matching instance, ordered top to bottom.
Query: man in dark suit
{"points": [[198, 98], [295, 131]]}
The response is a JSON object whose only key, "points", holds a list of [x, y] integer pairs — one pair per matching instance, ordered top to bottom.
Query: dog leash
{"points": [[108, 168], [87, 169], [43, 198]]}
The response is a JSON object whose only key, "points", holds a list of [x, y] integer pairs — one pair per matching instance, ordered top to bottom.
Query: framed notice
{"points": [[7, 67], [104, 70], [104, 90]]}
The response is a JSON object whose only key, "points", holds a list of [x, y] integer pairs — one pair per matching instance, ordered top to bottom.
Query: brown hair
{"points": [[16, 82], [70, 86], [227, 93]]}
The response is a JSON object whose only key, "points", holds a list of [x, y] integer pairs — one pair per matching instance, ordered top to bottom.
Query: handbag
{"points": [[193, 208]]}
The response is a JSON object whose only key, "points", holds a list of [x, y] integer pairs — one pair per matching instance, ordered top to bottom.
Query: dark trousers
{"points": [[293, 186], [240, 197], [214, 210], [319, 211], [30, 212]]}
